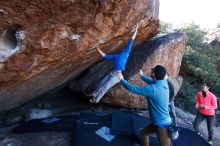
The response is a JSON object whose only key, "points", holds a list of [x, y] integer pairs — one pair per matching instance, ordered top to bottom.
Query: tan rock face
{"points": [[214, 36], [44, 44], [166, 50]]}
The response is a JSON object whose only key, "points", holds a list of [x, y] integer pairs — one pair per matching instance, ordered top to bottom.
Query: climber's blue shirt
{"points": [[121, 58], [157, 95]]}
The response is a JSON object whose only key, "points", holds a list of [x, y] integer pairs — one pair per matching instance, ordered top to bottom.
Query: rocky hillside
{"points": [[214, 36], [44, 45], [44, 50]]}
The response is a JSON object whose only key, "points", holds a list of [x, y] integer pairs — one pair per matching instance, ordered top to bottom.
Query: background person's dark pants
{"points": [[173, 113], [210, 122], [162, 135]]}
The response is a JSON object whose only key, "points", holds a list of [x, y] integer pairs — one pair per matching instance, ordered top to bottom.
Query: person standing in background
{"points": [[206, 104]]}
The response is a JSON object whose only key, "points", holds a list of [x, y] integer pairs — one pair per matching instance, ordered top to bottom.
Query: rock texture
{"points": [[214, 36], [214, 40], [46, 43], [166, 50]]}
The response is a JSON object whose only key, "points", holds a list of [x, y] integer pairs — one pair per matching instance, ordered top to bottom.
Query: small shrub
{"points": [[186, 97]]}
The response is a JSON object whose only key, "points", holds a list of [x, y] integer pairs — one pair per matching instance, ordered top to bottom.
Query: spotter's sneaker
{"points": [[200, 134]]}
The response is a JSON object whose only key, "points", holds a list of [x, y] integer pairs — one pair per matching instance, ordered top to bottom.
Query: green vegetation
{"points": [[198, 65]]}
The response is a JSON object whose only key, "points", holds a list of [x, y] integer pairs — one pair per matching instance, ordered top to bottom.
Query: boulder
{"points": [[45, 44], [165, 50]]}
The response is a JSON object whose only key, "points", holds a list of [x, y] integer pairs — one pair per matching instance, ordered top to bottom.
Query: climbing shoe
{"points": [[174, 132]]}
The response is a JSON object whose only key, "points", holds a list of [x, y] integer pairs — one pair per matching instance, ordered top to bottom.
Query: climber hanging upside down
{"points": [[111, 79]]}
